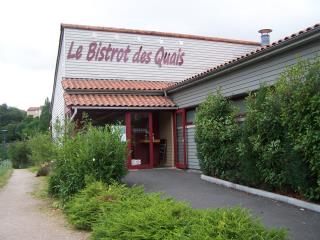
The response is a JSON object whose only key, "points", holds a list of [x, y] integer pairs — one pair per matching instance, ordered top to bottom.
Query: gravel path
{"points": [[23, 217]]}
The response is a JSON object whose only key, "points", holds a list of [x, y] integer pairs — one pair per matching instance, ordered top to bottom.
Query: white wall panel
{"points": [[199, 56], [58, 108]]}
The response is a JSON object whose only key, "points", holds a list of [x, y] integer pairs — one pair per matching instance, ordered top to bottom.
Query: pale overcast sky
{"points": [[30, 30]]}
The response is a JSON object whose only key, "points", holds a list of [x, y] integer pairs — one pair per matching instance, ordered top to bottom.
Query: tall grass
{"points": [[5, 171]]}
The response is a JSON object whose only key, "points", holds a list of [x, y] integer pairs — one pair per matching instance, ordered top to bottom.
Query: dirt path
{"points": [[22, 216]]}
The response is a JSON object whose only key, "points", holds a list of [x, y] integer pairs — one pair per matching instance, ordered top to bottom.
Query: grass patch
{"points": [[34, 169], [5, 172], [5, 177], [40, 190], [118, 212]]}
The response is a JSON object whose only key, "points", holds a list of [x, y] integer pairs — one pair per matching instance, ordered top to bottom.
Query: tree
{"points": [[45, 116], [10, 118]]}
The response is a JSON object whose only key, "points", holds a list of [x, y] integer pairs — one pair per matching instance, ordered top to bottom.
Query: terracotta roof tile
{"points": [[245, 56], [111, 84], [117, 100], [34, 108]]}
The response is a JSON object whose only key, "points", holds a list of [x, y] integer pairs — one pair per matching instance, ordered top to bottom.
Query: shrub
{"points": [[299, 91], [281, 132], [217, 133], [264, 138], [278, 145], [43, 149], [95, 152], [18, 154], [5, 171], [84, 209], [119, 212], [153, 216], [147, 217]]}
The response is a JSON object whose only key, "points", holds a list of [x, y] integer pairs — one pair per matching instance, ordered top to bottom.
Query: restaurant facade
{"points": [[150, 83]]}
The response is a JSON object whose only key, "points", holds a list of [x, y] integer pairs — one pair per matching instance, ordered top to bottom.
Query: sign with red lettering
{"points": [[97, 51]]}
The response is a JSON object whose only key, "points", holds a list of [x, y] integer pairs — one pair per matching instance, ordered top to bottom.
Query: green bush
{"points": [[299, 92], [217, 133], [264, 139], [281, 140], [278, 145], [43, 149], [94, 151], [3, 153], [18, 153], [4, 166], [5, 171], [85, 208], [119, 212], [153, 216]]}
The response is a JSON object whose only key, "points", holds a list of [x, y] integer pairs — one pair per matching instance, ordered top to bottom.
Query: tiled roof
{"points": [[155, 33], [242, 58], [94, 84], [116, 100], [33, 109]]}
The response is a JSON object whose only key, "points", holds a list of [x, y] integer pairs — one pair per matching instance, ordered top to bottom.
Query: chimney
{"points": [[265, 37]]}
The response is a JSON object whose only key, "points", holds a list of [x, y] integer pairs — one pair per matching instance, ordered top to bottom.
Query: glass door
{"points": [[140, 139], [180, 139]]}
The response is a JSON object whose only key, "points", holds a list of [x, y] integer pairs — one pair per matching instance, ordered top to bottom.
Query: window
{"points": [[190, 116]]}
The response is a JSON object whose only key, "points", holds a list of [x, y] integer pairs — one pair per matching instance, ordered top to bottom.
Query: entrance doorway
{"points": [[140, 136], [149, 136], [180, 139]]}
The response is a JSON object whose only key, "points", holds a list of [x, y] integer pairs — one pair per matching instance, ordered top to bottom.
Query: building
{"points": [[151, 82], [34, 111]]}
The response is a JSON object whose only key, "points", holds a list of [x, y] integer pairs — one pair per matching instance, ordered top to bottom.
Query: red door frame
{"points": [[128, 136], [183, 165]]}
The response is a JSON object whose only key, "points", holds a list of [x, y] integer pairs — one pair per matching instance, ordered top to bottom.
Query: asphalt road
{"points": [[302, 224]]}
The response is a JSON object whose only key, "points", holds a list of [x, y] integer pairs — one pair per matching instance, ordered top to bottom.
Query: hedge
{"points": [[216, 136], [278, 145]]}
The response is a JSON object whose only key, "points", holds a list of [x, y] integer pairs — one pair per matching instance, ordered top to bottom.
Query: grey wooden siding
{"points": [[199, 56], [246, 79], [241, 81], [58, 108], [180, 147], [193, 161]]}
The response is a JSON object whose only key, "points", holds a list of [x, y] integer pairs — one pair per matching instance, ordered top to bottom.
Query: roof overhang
{"points": [[295, 41], [117, 101], [122, 108]]}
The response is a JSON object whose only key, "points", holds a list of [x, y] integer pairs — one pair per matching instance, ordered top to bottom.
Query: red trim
{"points": [[128, 136], [184, 137], [175, 145], [151, 153], [177, 163]]}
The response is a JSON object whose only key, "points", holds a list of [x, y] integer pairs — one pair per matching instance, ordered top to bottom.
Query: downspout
{"points": [[165, 93], [74, 114]]}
